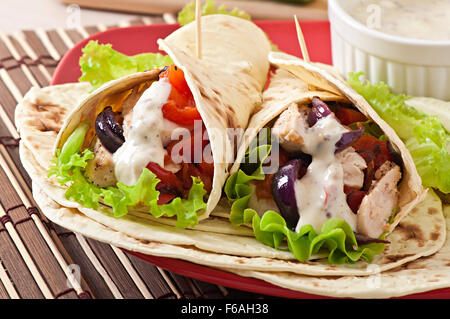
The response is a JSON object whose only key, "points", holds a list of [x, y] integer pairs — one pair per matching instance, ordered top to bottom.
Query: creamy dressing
{"points": [[418, 19], [146, 135], [320, 193]]}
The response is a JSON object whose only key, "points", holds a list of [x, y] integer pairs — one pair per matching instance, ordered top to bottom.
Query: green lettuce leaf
{"points": [[187, 15], [100, 63], [424, 136], [68, 166], [336, 238]]}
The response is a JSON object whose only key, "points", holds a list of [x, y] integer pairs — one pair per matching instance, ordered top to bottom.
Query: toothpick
{"points": [[198, 16], [301, 40]]}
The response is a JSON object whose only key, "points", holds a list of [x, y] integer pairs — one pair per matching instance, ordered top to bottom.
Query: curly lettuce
{"points": [[187, 14], [100, 63], [424, 136], [68, 167], [336, 238]]}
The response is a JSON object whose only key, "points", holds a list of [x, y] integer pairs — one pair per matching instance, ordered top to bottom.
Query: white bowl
{"points": [[410, 66]]}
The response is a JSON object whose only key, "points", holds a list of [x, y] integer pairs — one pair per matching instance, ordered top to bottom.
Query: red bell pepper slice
{"points": [[180, 107], [349, 116], [379, 149]]}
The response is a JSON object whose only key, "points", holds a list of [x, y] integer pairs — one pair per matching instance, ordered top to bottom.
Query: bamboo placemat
{"points": [[39, 259]]}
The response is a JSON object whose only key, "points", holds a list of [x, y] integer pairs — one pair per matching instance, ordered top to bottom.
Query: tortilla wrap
{"points": [[226, 84], [277, 98], [231, 246]]}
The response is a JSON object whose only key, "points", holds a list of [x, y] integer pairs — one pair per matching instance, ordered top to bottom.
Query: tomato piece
{"points": [[181, 100], [348, 116], [189, 145], [378, 148], [207, 168], [203, 169], [188, 170], [169, 182], [263, 189], [165, 198], [354, 199]]}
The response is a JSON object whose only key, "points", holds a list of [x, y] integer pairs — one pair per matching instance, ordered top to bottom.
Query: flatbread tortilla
{"points": [[214, 241], [424, 274]]}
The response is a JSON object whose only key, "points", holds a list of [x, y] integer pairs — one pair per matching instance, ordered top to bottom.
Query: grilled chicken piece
{"points": [[291, 126], [353, 165], [100, 169], [377, 206]]}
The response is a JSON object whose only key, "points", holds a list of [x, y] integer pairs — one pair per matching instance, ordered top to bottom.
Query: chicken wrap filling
{"points": [[148, 147], [332, 164]]}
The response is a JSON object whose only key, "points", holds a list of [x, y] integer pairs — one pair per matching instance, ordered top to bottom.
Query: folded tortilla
{"points": [[226, 84], [328, 86], [287, 89]]}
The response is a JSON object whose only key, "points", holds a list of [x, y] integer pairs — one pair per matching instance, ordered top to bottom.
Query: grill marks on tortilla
{"points": [[228, 25], [225, 112], [49, 116], [231, 117], [437, 231], [412, 232], [434, 236], [394, 258]]}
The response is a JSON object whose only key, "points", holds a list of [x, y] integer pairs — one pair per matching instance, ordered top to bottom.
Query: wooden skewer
{"points": [[198, 15], [301, 40]]}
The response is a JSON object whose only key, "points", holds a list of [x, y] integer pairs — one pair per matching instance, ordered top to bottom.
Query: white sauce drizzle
{"points": [[144, 142], [320, 193]]}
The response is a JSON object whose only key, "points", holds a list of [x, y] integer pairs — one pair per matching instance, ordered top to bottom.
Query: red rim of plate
{"points": [[319, 50]]}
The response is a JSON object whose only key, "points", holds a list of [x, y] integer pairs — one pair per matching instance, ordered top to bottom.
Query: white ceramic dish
{"points": [[410, 66]]}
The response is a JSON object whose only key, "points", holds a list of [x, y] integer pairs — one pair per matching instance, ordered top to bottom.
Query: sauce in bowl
{"points": [[417, 19]]}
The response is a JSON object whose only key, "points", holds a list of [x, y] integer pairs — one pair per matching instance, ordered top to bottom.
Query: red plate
{"points": [[139, 39]]}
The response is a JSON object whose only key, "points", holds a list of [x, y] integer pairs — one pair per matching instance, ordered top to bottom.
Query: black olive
{"points": [[108, 130], [283, 191]]}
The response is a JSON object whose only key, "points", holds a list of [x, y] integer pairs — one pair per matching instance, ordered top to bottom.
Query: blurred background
{"points": [[24, 14]]}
